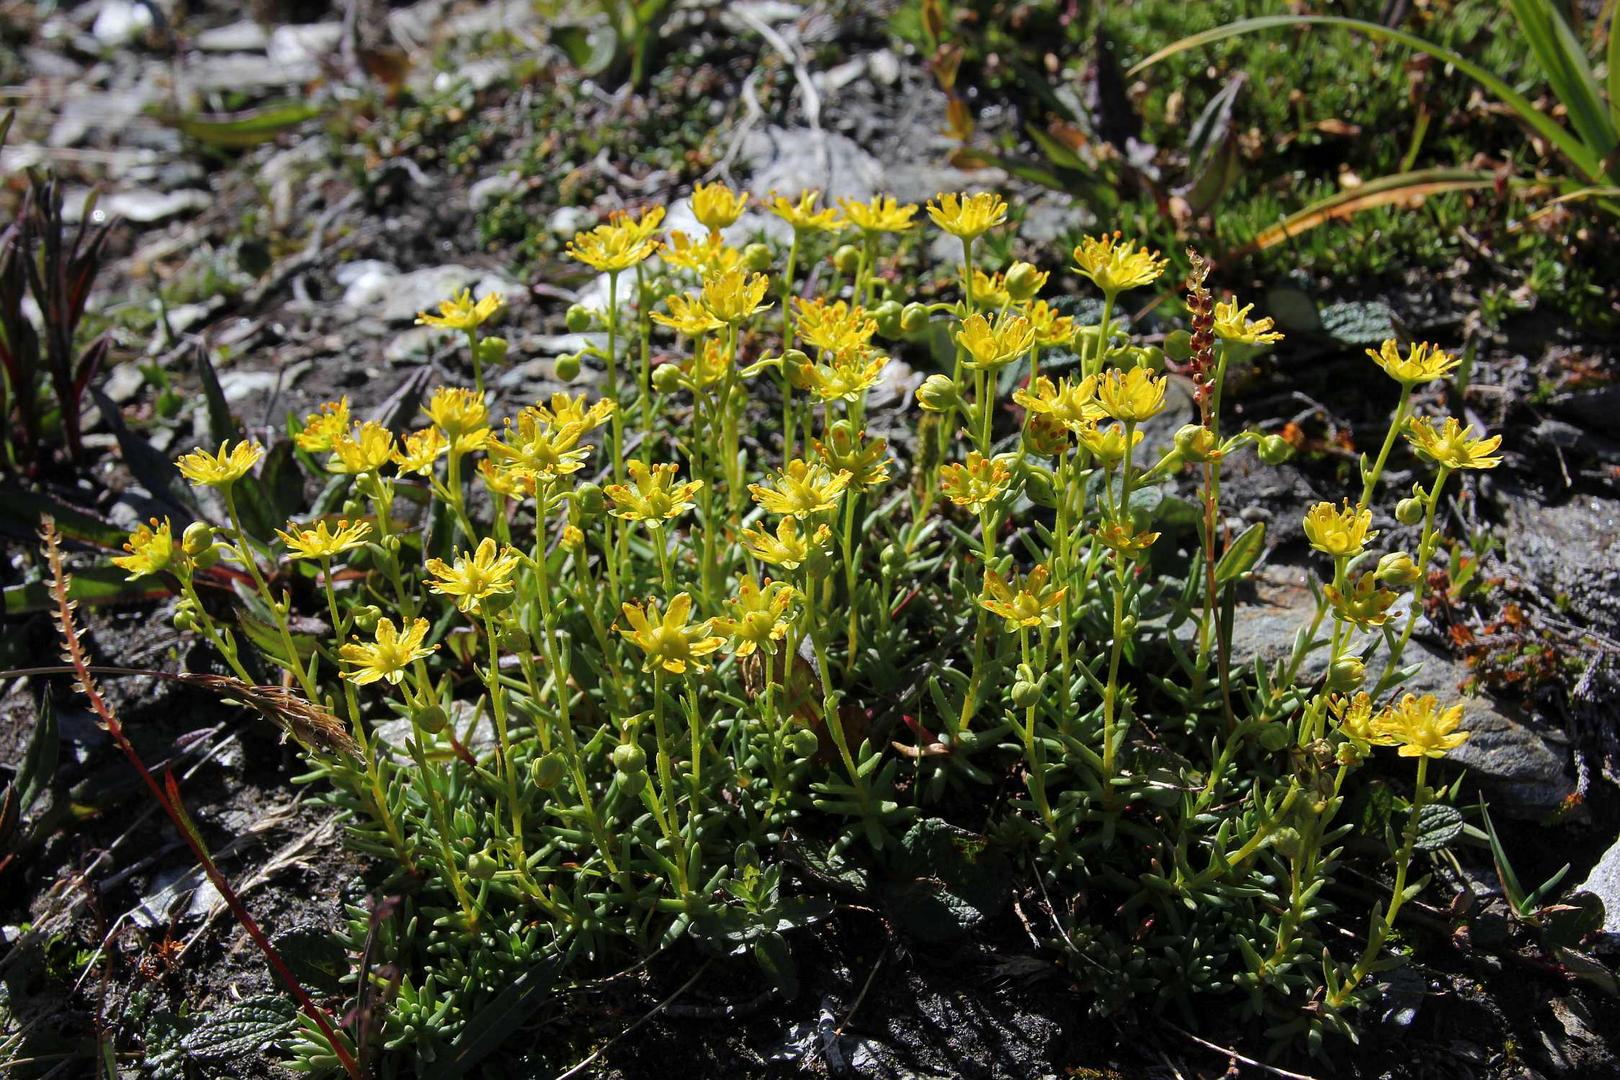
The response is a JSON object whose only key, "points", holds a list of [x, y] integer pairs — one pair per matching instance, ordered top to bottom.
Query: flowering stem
{"points": [[612, 359], [1371, 477], [1426, 546], [278, 611], [666, 784]]}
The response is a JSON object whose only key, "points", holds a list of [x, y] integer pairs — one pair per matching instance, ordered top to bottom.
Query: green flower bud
{"points": [[756, 257], [847, 259], [1023, 281], [887, 315], [580, 318], [913, 318], [1178, 346], [492, 350], [566, 367], [666, 378], [939, 393], [1195, 442], [1274, 450], [1038, 486], [590, 500], [1409, 511], [198, 538], [206, 558], [892, 559], [1398, 571], [495, 603], [366, 616], [185, 617], [514, 639], [1346, 675], [1025, 694], [430, 718], [1273, 737], [804, 743], [629, 758], [547, 771], [632, 783], [1286, 842], [747, 855], [480, 866]]}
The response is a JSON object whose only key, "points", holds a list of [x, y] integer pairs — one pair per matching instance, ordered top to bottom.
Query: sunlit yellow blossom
{"points": [[716, 206], [884, 214], [804, 215], [968, 216], [619, 243], [706, 257], [1114, 264], [990, 291], [733, 296], [461, 312], [687, 316], [1232, 323], [836, 327], [1050, 327], [994, 343], [1422, 363], [710, 365], [845, 377], [1131, 396], [1072, 403], [560, 410], [462, 415], [321, 428], [1044, 436], [1107, 444], [1453, 445], [367, 448], [420, 449], [544, 450], [845, 450], [222, 468], [508, 481], [976, 483], [801, 489], [653, 494], [1338, 532], [1121, 538], [323, 541], [788, 547], [152, 550], [471, 578], [1025, 605], [1364, 605], [755, 618], [671, 642], [389, 655], [1360, 720], [1421, 728]]}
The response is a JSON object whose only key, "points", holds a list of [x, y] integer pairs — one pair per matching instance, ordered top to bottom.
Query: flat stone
{"points": [[243, 36], [303, 43], [791, 160], [141, 206], [398, 298], [1573, 551], [1604, 883]]}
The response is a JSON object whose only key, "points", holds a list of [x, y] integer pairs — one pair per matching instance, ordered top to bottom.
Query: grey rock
{"points": [[120, 22], [243, 36], [303, 43], [244, 71], [790, 160], [490, 188], [141, 206], [568, 220], [398, 298], [241, 385], [1572, 551], [1604, 883]]}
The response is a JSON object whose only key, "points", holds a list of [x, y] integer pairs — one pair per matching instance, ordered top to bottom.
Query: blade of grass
{"points": [[1563, 61], [1381, 192]]}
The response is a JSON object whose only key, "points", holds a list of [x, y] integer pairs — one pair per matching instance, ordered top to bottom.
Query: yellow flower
{"points": [[716, 206], [884, 214], [803, 215], [968, 216], [618, 244], [703, 258], [1114, 264], [990, 290], [731, 296], [460, 312], [687, 316], [1232, 323], [837, 327], [1050, 327], [993, 344], [1422, 363], [709, 365], [845, 378], [1131, 396], [1071, 403], [562, 410], [462, 415], [321, 428], [1044, 436], [1107, 444], [1452, 445], [367, 448], [421, 449], [542, 449], [846, 450], [220, 469], [508, 481], [977, 483], [801, 489], [653, 495], [1338, 532], [1121, 538], [323, 541], [788, 548], [152, 550], [475, 577], [1027, 605], [1365, 605], [754, 618], [671, 642], [390, 654], [1359, 720], [1421, 728]]}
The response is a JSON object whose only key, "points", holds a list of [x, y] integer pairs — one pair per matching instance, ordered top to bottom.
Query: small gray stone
{"points": [[243, 36], [1604, 883]]}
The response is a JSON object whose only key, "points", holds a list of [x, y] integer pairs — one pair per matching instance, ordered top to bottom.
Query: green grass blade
{"points": [[1563, 61], [1614, 65], [1579, 153], [1395, 188]]}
